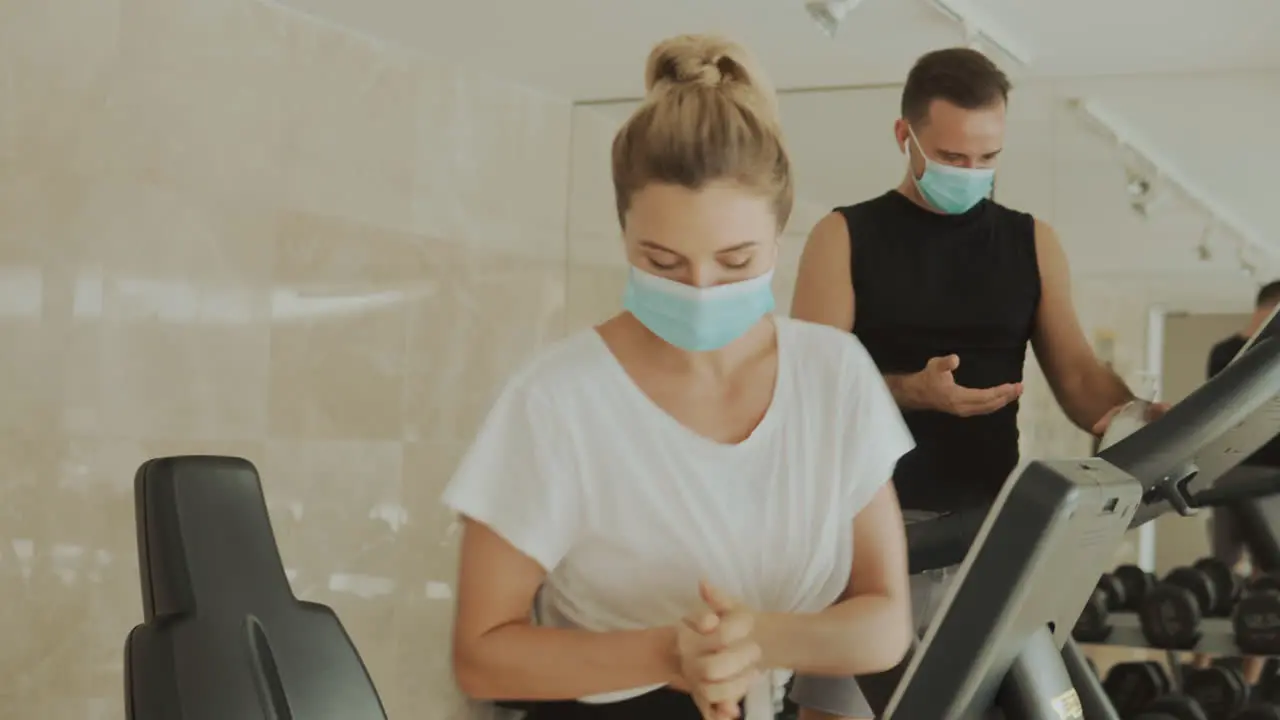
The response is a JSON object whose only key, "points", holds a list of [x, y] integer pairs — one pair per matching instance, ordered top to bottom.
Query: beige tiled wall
{"points": [[228, 229]]}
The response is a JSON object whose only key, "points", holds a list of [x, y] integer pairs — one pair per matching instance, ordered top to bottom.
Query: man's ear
{"points": [[901, 133]]}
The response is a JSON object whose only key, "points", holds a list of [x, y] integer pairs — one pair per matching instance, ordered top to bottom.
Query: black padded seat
{"points": [[224, 638]]}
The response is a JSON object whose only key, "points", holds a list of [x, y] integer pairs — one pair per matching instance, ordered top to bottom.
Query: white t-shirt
{"points": [[627, 509]]}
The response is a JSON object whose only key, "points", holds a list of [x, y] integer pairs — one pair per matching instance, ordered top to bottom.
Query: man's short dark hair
{"points": [[963, 77], [1269, 295]]}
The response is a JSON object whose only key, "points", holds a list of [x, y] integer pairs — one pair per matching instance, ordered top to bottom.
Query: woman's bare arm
{"points": [[869, 630], [498, 654]]}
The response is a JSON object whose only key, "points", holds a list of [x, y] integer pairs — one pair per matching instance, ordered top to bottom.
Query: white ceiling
{"points": [[591, 49]]}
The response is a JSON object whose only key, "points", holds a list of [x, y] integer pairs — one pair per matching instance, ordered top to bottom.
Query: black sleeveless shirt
{"points": [[928, 285]]}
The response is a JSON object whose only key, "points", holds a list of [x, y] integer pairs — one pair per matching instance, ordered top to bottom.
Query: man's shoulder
{"points": [[883, 200], [1008, 214], [863, 220], [1231, 345], [1223, 352]]}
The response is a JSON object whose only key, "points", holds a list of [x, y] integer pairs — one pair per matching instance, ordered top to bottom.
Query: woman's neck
{"points": [[712, 364]]}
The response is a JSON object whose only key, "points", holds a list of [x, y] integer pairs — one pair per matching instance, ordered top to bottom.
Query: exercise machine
{"points": [[223, 635], [1001, 646]]}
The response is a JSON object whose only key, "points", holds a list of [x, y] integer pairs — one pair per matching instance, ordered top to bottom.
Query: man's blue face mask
{"points": [[949, 189]]}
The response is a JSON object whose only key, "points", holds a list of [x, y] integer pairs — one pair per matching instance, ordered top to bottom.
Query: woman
{"points": [[682, 488]]}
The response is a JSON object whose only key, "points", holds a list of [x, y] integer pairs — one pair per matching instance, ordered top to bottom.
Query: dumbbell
{"points": [[1136, 583], [1228, 585], [1114, 590], [1111, 594], [1171, 611], [1257, 618], [1093, 625], [1235, 662], [1132, 686], [1219, 690], [1267, 690], [1264, 700], [1262, 703], [1171, 707], [1258, 711]]}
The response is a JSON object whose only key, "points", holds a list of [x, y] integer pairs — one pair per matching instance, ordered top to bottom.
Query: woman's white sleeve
{"points": [[878, 436], [519, 478]]}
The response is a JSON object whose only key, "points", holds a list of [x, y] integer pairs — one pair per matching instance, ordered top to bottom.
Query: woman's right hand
{"points": [[718, 659]]}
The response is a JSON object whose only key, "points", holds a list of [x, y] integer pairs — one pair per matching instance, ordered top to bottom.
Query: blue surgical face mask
{"points": [[952, 190], [698, 319]]}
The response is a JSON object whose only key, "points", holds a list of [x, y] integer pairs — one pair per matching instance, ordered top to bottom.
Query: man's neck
{"points": [[907, 188]]}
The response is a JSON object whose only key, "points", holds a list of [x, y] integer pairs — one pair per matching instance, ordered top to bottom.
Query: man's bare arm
{"points": [[824, 284], [825, 294], [1085, 388]]}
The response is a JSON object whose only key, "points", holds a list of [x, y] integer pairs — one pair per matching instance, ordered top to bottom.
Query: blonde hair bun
{"points": [[707, 61], [710, 115]]}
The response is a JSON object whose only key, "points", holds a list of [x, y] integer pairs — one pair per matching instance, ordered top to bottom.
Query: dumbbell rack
{"points": [[1217, 636]]}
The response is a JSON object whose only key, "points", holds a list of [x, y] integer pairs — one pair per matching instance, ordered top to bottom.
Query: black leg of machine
{"points": [[1038, 672], [1093, 699]]}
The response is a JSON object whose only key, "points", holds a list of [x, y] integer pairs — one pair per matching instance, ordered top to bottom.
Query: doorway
{"points": [[1188, 338]]}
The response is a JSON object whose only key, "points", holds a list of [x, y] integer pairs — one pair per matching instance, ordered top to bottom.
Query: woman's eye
{"points": [[737, 265], [664, 266]]}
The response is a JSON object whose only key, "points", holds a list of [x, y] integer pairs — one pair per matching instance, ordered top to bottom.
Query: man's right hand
{"points": [[935, 388]]}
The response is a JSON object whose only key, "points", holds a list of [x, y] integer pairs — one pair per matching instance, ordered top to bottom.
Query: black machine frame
{"points": [[1049, 536]]}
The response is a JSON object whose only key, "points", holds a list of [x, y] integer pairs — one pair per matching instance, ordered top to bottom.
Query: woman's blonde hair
{"points": [[709, 115]]}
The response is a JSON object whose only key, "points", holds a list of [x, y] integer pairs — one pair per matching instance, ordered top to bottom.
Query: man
{"points": [[946, 288], [1224, 352], [1226, 540]]}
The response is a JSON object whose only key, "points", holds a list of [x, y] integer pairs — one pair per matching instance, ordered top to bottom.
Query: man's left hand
{"points": [[1154, 412]]}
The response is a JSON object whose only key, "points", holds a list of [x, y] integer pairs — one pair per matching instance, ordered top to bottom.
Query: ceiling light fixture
{"points": [[830, 13], [980, 29], [1129, 141], [1143, 185], [1139, 189], [1204, 250], [1247, 267]]}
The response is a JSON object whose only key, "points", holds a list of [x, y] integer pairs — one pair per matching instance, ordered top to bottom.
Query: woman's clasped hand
{"points": [[719, 654]]}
